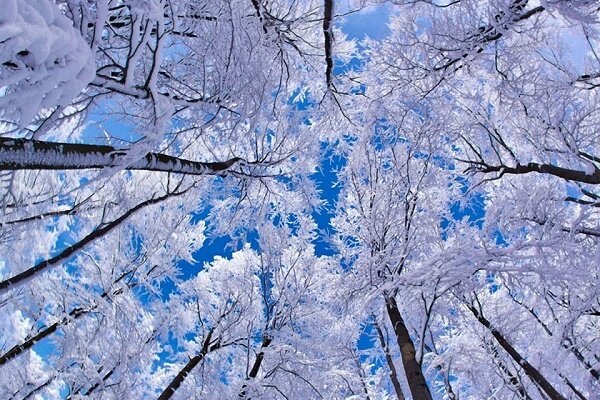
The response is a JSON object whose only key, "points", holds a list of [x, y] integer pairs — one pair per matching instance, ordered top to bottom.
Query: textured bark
{"points": [[25, 154], [40, 267], [390, 363], [529, 369], [414, 374]]}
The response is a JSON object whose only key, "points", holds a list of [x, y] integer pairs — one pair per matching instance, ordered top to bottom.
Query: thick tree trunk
{"points": [[327, 32], [20, 154], [390, 362], [189, 367], [529, 369], [414, 374]]}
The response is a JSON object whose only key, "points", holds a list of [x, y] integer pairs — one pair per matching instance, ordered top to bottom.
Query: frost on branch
{"points": [[44, 61]]}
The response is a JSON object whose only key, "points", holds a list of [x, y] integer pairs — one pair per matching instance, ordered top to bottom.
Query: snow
{"points": [[44, 61]]}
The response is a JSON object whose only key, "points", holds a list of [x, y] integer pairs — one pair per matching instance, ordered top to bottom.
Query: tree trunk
{"points": [[19, 154], [40, 267], [75, 313], [29, 343], [390, 363], [256, 366], [189, 367], [529, 369], [414, 374], [513, 380]]}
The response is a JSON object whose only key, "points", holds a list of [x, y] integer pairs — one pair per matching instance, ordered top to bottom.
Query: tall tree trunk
{"points": [[17, 154], [97, 233], [46, 331], [390, 362], [189, 367], [529, 369], [414, 374]]}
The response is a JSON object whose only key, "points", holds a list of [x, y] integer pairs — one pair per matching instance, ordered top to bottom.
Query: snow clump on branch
{"points": [[44, 61]]}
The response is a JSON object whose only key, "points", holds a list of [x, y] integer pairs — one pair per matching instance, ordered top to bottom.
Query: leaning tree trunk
{"points": [[23, 154], [103, 230], [46, 331], [256, 366], [188, 368], [529, 369], [414, 374]]}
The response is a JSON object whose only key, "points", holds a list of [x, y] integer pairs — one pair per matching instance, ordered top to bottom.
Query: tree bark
{"points": [[327, 32], [24, 154], [564, 173], [75, 313], [47, 331], [189, 367], [529, 369], [414, 374]]}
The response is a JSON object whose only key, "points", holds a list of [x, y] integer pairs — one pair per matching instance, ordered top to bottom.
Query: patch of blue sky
{"points": [[371, 22], [106, 127], [326, 181]]}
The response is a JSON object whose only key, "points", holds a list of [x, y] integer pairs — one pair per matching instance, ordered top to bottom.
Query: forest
{"points": [[300, 199]]}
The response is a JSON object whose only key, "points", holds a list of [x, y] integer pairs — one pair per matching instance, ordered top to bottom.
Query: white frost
{"points": [[44, 61]]}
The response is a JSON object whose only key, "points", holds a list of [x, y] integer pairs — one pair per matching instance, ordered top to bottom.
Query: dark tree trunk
{"points": [[328, 34], [23, 154], [564, 173], [40, 267], [74, 314], [47, 331], [256, 366], [189, 367], [529, 369], [414, 374]]}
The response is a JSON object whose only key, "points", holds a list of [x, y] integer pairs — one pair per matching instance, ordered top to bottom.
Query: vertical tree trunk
{"points": [[390, 363], [529, 369], [414, 374]]}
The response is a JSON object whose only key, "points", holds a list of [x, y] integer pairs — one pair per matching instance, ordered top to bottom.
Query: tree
{"points": [[454, 254]]}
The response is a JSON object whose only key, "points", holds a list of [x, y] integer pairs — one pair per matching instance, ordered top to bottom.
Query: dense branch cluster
{"points": [[246, 200]]}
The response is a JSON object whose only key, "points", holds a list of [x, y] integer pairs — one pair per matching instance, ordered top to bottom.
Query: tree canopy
{"points": [[246, 200]]}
